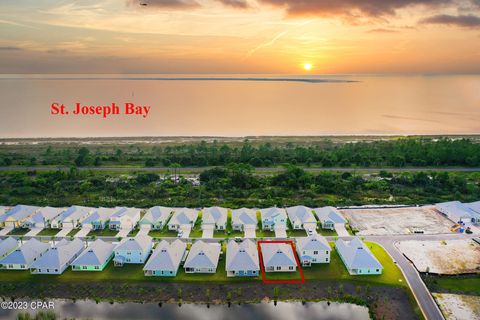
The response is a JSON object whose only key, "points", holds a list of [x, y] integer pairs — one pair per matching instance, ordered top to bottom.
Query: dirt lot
{"points": [[397, 220], [443, 257], [458, 307]]}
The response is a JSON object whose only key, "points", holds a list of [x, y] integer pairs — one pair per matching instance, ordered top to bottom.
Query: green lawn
{"points": [[18, 232], [48, 232], [73, 232], [102, 233], [164, 233], [335, 270], [461, 284]]}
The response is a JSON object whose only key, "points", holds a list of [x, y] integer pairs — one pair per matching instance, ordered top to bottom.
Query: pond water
{"points": [[264, 311]]}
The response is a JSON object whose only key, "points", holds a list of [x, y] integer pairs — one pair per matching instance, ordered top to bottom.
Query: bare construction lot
{"points": [[385, 221], [443, 257], [458, 307]]}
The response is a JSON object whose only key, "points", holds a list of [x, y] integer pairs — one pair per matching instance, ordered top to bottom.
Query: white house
{"points": [[459, 212], [15, 217], [156, 217], [183, 217], [215, 217], [244, 217], [273, 217], [302, 217], [329, 217], [42, 218], [70, 218], [99, 218], [124, 218], [7, 246], [313, 249], [133, 250], [22, 257], [95, 257], [203, 257], [278, 257], [57, 258], [165, 259], [242, 259], [358, 259]]}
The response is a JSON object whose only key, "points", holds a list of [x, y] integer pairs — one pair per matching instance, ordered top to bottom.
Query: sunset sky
{"points": [[237, 36]]}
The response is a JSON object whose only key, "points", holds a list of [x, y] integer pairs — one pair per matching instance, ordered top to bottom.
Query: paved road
{"points": [[258, 170]]}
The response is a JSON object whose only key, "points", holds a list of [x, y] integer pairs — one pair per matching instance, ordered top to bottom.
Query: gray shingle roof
{"points": [[475, 206], [456, 210], [19, 212], [74, 213], [270, 213], [301, 213], [44, 214], [100, 214], [157, 214], [329, 214], [215, 215], [183, 216], [244, 216], [313, 242], [140, 243], [7, 245], [26, 253], [96, 254], [277, 254], [59, 255], [203, 255], [356, 255], [166, 256], [242, 256]]}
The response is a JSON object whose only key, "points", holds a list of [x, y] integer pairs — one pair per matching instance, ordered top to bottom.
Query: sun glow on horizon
{"points": [[307, 66]]}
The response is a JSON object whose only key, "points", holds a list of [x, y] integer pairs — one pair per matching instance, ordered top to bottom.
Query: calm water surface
{"points": [[371, 105], [264, 311]]}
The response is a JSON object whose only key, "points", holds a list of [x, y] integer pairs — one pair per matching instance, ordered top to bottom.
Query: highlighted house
{"points": [[95, 257], [165, 259], [358, 259]]}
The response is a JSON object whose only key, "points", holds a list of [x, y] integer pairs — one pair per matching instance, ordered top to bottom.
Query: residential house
{"points": [[475, 206], [459, 212], [15, 217], [156, 217], [183, 217], [215, 217], [244, 217], [302, 217], [329, 217], [41, 218], [70, 218], [99, 218], [124, 218], [273, 218], [7, 246], [313, 249], [133, 250], [22, 257], [95, 257], [203, 257], [278, 257], [57, 258], [165, 259], [242, 259], [358, 259]]}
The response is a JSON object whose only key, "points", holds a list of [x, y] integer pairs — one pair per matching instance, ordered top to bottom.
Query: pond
{"points": [[282, 311]]}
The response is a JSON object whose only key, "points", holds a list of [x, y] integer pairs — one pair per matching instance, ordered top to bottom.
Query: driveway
{"points": [[185, 229], [340, 229], [144, 230], [5, 231], [84, 231], [33, 232], [63, 232], [207, 232], [250, 232], [280, 232], [123, 233]]}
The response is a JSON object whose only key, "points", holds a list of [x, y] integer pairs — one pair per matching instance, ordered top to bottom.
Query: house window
{"points": [[315, 252], [326, 252], [326, 259], [22, 266], [84, 267], [97, 267], [279, 268], [290, 268], [56, 270], [378, 270]]}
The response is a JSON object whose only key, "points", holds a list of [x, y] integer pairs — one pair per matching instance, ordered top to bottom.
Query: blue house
{"points": [[133, 250], [165, 259]]}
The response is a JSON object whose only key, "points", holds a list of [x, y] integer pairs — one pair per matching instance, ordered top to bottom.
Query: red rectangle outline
{"points": [[262, 268]]}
